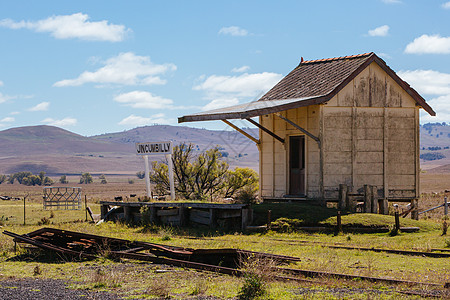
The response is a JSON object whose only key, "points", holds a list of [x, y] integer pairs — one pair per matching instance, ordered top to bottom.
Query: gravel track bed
{"points": [[30, 288]]}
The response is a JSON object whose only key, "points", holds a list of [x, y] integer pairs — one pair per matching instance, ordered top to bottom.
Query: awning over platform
{"points": [[253, 109]]}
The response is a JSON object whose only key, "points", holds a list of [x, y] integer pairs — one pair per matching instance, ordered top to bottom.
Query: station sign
{"points": [[154, 148]]}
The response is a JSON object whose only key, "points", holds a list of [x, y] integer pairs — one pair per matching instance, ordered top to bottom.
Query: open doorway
{"points": [[297, 165]]}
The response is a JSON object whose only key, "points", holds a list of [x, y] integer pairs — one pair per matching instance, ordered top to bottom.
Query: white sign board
{"points": [[153, 148], [157, 148]]}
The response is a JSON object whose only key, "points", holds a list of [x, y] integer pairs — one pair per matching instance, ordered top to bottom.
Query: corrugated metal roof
{"points": [[311, 82], [249, 110]]}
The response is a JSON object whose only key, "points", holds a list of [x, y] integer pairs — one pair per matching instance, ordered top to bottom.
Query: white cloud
{"points": [[391, 1], [446, 5], [73, 26], [233, 31], [379, 31], [430, 44], [126, 69], [241, 69], [427, 81], [1, 83], [244, 85], [4, 98], [142, 99], [219, 103], [441, 105], [43, 106], [13, 113], [7, 120], [141, 121], [60, 123]]}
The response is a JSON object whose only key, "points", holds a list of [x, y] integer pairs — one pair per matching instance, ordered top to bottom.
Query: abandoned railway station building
{"points": [[331, 122]]}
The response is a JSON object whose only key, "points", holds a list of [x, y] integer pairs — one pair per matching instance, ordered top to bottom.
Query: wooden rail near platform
{"points": [[214, 215]]}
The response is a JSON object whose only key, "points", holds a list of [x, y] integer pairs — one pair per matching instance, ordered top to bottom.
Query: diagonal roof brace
{"points": [[299, 128], [266, 130], [242, 132]]}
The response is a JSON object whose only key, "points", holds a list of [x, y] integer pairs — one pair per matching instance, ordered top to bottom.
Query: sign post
{"points": [[157, 148]]}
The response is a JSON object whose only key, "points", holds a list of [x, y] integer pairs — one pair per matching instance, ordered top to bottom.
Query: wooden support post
{"points": [[343, 199], [367, 199], [374, 199], [384, 206], [86, 207], [415, 207], [103, 211], [127, 213], [183, 214], [153, 216], [213, 218], [244, 218], [269, 218], [397, 221], [338, 222]]}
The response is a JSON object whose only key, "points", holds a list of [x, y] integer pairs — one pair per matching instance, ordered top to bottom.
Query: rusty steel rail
{"points": [[185, 258]]}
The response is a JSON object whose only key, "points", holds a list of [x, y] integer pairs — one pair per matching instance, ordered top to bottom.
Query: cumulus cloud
{"points": [[446, 5], [72, 26], [233, 31], [379, 31], [429, 44], [125, 69], [240, 69], [427, 81], [244, 85], [4, 98], [143, 99], [219, 103], [441, 105], [43, 106], [7, 120], [141, 121], [60, 123]]}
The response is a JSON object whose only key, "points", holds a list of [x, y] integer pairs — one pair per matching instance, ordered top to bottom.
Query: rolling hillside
{"points": [[58, 151]]}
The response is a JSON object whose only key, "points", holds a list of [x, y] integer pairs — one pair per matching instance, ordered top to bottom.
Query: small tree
{"points": [[140, 174], [199, 177], [3, 178], [86, 178], [63, 179], [102, 179], [240, 181]]}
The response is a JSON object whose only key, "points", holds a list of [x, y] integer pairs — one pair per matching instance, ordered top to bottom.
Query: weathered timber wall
{"points": [[369, 136]]}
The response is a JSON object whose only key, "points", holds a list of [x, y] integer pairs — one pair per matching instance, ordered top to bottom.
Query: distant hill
{"points": [[435, 147], [58, 151]]}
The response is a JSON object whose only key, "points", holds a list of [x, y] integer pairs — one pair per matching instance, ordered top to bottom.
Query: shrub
{"points": [[140, 174], [86, 178], [63, 179], [102, 179], [130, 181]]}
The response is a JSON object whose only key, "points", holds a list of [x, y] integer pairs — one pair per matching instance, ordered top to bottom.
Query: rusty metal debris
{"points": [[87, 246]]}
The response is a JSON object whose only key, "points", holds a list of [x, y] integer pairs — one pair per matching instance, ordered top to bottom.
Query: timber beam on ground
{"points": [[58, 240]]}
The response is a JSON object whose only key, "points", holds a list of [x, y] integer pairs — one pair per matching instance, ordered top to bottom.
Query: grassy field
{"points": [[137, 280]]}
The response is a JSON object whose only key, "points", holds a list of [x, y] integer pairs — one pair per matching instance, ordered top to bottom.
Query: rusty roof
{"points": [[311, 82]]}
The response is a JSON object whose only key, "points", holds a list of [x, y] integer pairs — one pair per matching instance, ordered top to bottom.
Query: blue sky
{"points": [[94, 67]]}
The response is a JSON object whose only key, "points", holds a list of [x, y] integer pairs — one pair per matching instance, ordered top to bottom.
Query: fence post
{"points": [[343, 203], [85, 206], [445, 206], [415, 211], [269, 217], [397, 221], [338, 223]]}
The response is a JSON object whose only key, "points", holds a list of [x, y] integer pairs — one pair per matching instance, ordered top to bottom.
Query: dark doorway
{"points": [[297, 165]]}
